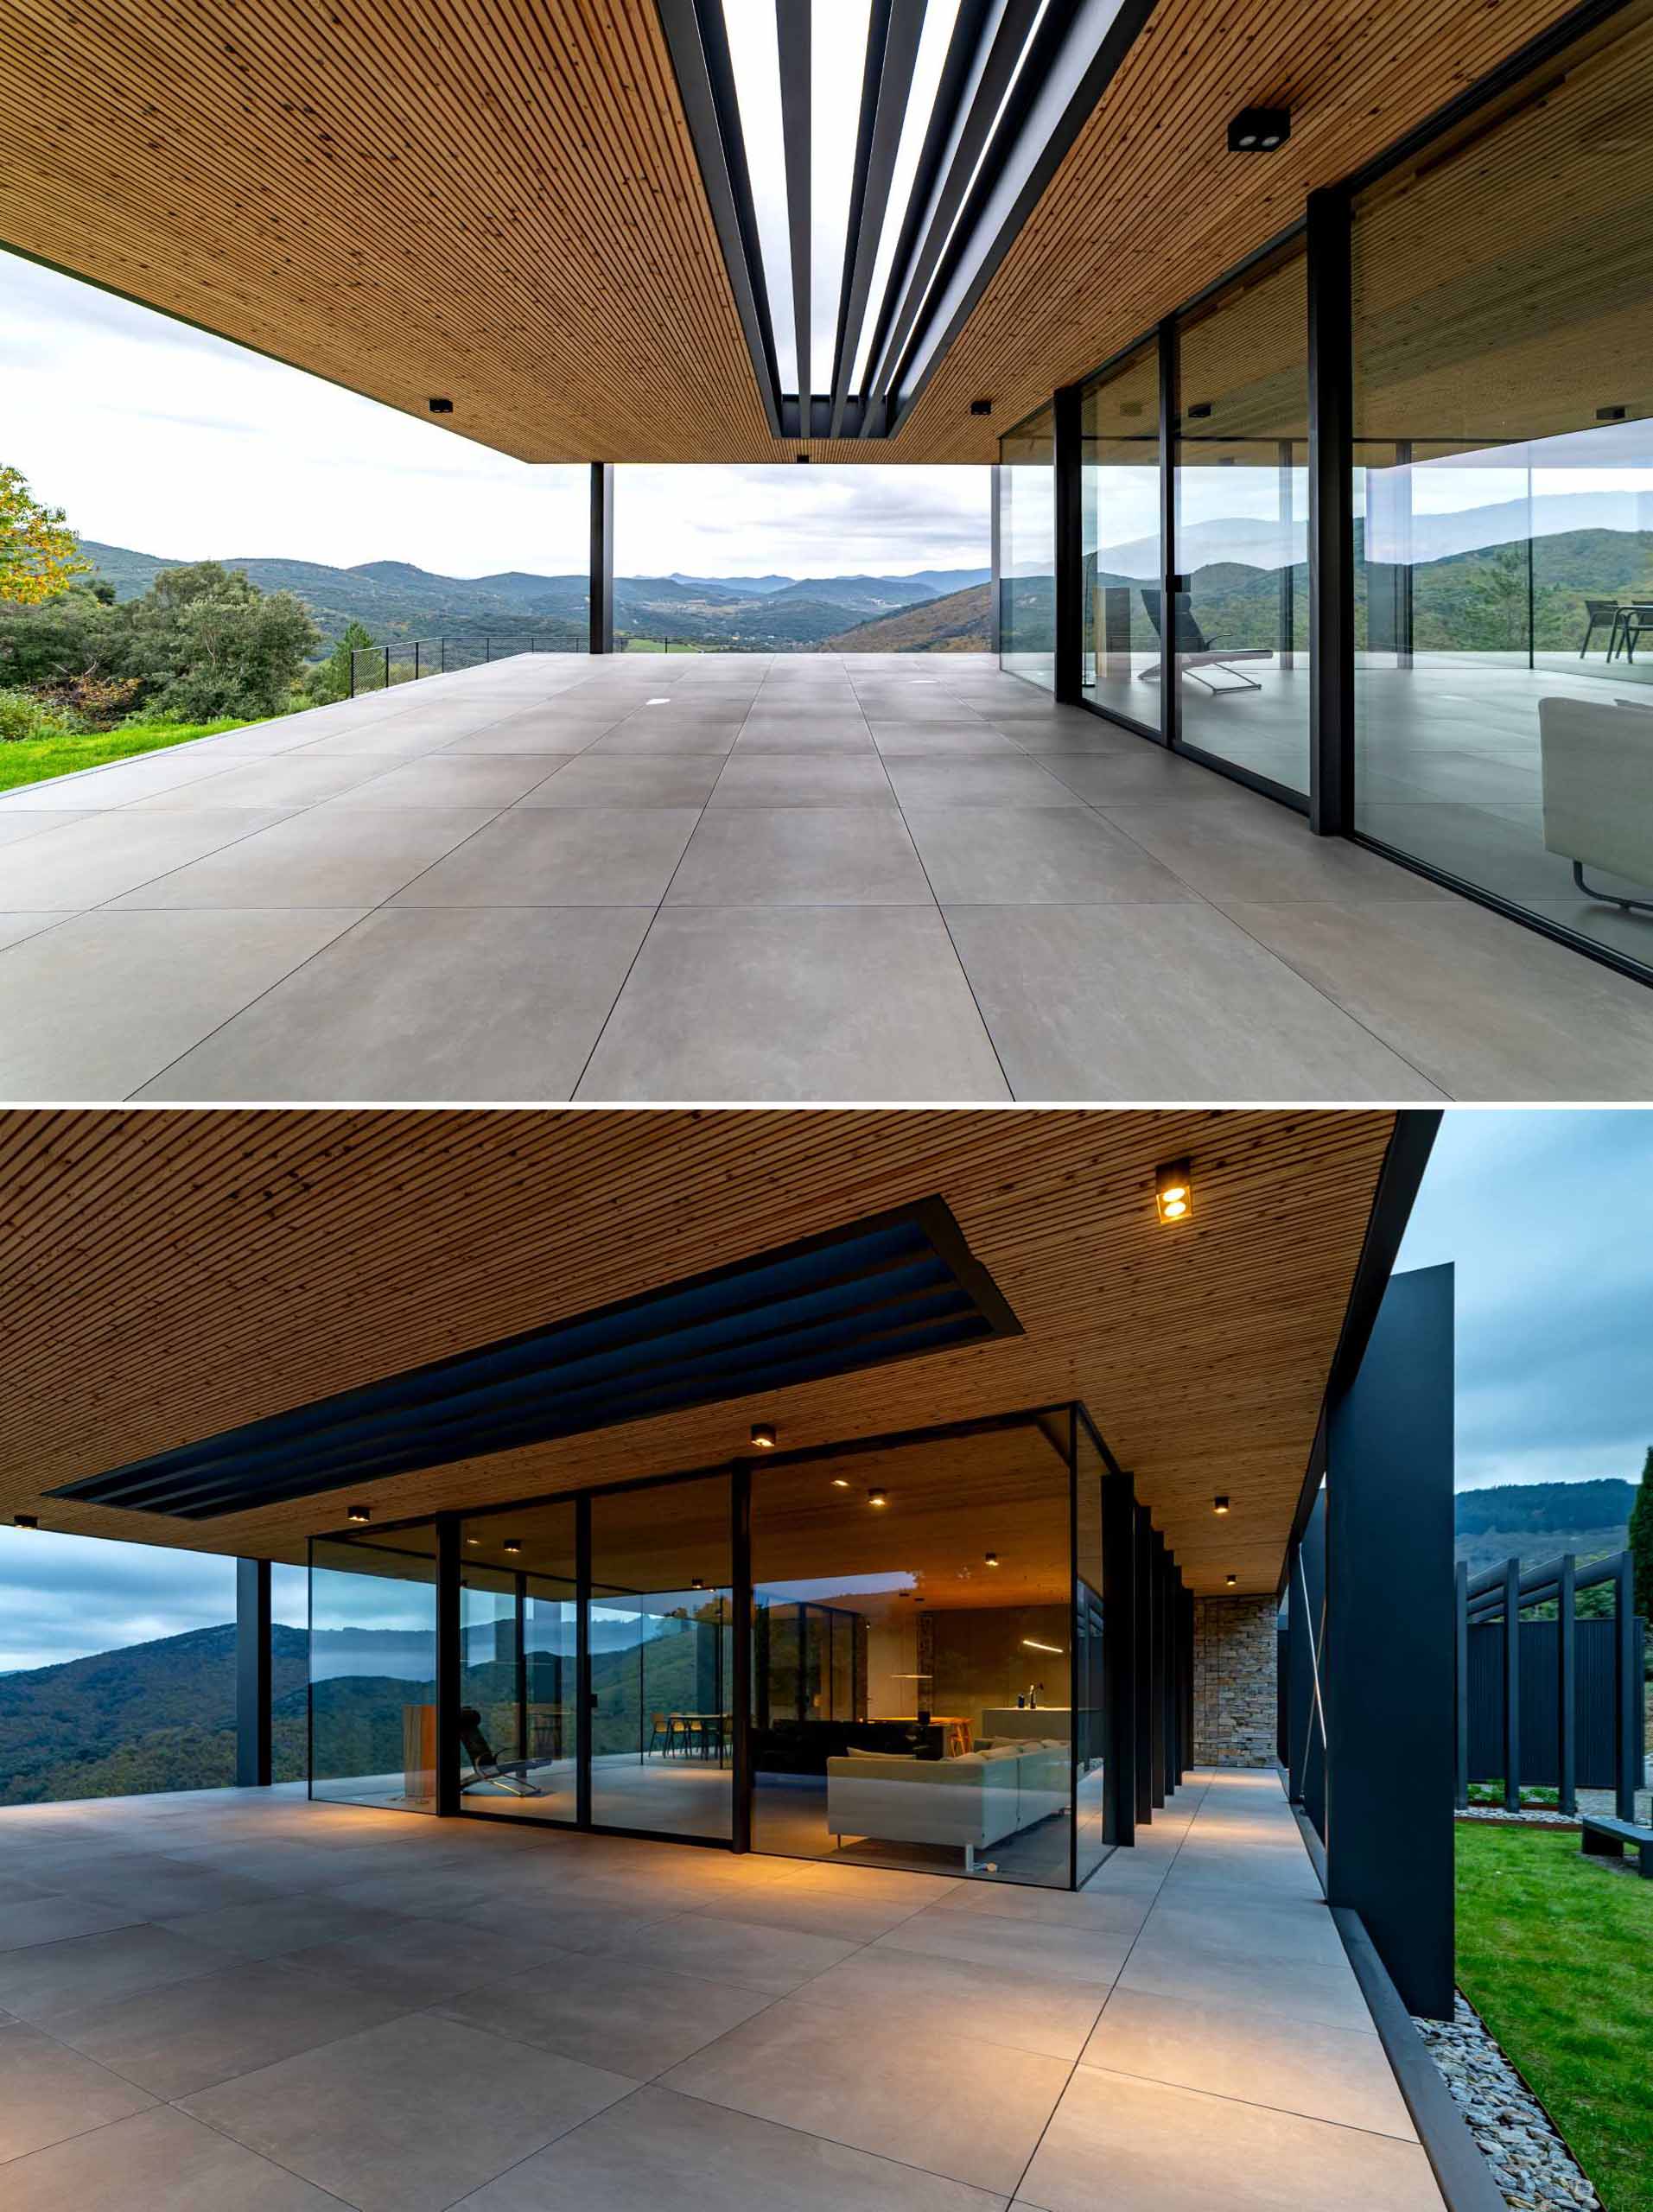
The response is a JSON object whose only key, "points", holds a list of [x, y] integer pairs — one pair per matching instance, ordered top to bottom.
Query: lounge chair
{"points": [[1195, 651], [486, 1772]]}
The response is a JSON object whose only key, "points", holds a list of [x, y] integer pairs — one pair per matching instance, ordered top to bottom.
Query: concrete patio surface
{"points": [[725, 876], [236, 2001]]}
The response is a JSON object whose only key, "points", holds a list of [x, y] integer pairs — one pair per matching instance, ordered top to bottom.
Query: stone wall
{"points": [[1234, 1682]]}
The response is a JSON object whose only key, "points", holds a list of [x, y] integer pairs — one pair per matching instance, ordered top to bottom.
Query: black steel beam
{"points": [[793, 35], [875, 155], [1331, 515], [1069, 547], [602, 556], [1172, 585], [450, 1662], [1386, 1669], [1627, 1676], [1512, 1685], [740, 1687], [253, 1734]]}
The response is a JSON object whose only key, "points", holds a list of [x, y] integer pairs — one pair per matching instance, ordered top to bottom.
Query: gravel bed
{"points": [[1531, 1816], [1531, 2163]]}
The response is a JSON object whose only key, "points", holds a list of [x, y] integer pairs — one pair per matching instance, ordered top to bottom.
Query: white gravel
{"points": [[1531, 2163]]}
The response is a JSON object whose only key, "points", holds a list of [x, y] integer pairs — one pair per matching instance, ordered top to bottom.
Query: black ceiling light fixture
{"points": [[1259, 129], [439, 406], [981, 407], [1200, 412], [1612, 414], [1174, 1191], [893, 1286], [764, 1434], [877, 1497], [1219, 1504], [360, 1513], [25, 1520], [512, 1544], [993, 1559], [1232, 1579]]}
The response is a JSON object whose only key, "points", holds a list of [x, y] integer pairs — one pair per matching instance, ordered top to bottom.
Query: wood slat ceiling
{"points": [[497, 201], [165, 1275]]}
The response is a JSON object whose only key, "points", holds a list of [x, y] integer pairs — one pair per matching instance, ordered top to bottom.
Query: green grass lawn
{"points": [[26, 760], [1555, 1953]]}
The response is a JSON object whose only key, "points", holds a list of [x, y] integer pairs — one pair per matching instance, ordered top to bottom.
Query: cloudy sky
{"points": [[157, 438], [1547, 1216]]}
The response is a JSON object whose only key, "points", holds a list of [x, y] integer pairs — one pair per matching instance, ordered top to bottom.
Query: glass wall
{"points": [[1503, 427], [1241, 457], [1123, 539], [1027, 550], [661, 1624], [912, 1642], [518, 1660], [373, 1669], [1090, 1746]]}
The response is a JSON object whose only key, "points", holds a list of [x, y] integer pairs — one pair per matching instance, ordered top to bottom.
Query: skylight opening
{"points": [[940, 16], [754, 57], [838, 63]]}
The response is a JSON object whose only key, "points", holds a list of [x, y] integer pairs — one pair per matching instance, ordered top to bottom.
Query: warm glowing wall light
{"points": [[1174, 1193], [763, 1435], [840, 1481], [1219, 1504], [513, 1543], [1232, 1579]]}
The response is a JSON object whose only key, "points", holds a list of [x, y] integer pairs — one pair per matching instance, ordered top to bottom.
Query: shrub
{"points": [[23, 716]]}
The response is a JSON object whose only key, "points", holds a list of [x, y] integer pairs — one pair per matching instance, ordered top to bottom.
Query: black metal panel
{"points": [[792, 25], [875, 153], [1331, 515], [1069, 547], [602, 557], [888, 1287], [1160, 1583], [1307, 1618], [1509, 1637], [1119, 1658], [448, 1663], [1142, 1668], [1386, 1669], [1566, 1685], [741, 1687], [1282, 1697], [1631, 1700], [1595, 1704], [252, 1752]]}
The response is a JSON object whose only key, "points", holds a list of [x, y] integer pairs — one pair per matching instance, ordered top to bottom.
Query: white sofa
{"points": [[1598, 788], [970, 1803]]}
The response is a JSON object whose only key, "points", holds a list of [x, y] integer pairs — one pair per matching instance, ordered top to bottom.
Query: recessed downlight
{"points": [[1174, 1191], [763, 1435], [877, 1497], [360, 1514], [512, 1544]]}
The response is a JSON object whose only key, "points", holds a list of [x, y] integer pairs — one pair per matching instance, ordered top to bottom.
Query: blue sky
{"points": [[156, 436], [1547, 1216]]}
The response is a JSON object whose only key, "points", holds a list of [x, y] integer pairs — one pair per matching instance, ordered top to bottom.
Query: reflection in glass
{"points": [[1119, 429], [1503, 452], [1241, 523], [1027, 550], [661, 1629], [518, 1656], [911, 1662], [373, 1669], [1091, 1712]]}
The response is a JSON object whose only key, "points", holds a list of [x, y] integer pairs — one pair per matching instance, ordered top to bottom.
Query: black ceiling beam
{"points": [[792, 36], [999, 44], [1075, 54], [700, 57], [870, 199]]}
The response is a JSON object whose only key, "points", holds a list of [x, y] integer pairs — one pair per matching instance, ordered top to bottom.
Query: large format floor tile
{"points": [[611, 779], [802, 779], [105, 855], [328, 856], [548, 856], [1034, 856], [800, 857], [422, 1002], [817, 1003], [46, 1981], [1016, 2005], [632, 2018], [48, 2093], [409, 2116], [660, 2149], [158, 2161]]}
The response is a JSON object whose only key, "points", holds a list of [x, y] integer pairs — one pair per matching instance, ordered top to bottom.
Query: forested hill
{"points": [[1537, 1521]]}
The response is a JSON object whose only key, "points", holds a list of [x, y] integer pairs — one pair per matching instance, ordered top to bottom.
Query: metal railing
{"points": [[375, 668]]}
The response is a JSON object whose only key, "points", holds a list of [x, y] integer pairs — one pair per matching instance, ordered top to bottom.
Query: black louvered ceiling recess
{"points": [[886, 1289]]}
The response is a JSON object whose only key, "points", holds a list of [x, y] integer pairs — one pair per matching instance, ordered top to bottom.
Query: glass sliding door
{"points": [[1240, 456], [1504, 457], [1122, 540], [1027, 550], [660, 1621], [912, 1642], [519, 1662], [373, 1669], [1090, 1747]]}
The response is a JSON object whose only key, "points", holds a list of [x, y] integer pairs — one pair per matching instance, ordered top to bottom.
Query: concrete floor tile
{"points": [[804, 728], [639, 735], [921, 740], [1145, 775], [814, 779], [460, 780], [606, 780], [291, 781], [969, 781], [15, 827], [1248, 847], [105, 855], [1035, 855], [328, 856], [550, 856], [800, 857], [14, 928], [1160, 1001], [425, 1002], [819, 1003], [99, 1007], [42, 1918], [282, 1922], [1065, 1952], [753, 1957], [412, 1963], [46, 1980], [1325, 1996], [1024, 2009], [627, 2017], [1262, 2058], [48, 2093], [971, 2111], [409, 2116], [658, 2148], [1171, 2150], [158, 2161]]}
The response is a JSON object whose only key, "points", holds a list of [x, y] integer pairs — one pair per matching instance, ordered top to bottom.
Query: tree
{"points": [[39, 555], [207, 643], [330, 679], [1641, 1540]]}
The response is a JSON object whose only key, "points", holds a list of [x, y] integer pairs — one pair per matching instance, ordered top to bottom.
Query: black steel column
{"points": [[1331, 515], [996, 532], [1069, 547], [602, 556], [1172, 584], [1142, 1576], [519, 1653], [1119, 1659], [583, 1660], [448, 1663], [1156, 1668], [1386, 1671], [1461, 1680], [1628, 1680], [1168, 1685], [1512, 1685], [1566, 1686], [741, 1688], [252, 1749]]}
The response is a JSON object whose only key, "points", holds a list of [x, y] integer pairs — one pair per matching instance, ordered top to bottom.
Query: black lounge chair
{"points": [[1194, 650], [487, 1773]]}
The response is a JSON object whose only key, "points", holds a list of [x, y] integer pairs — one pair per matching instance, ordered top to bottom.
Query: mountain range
{"points": [[397, 601], [1534, 1521]]}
